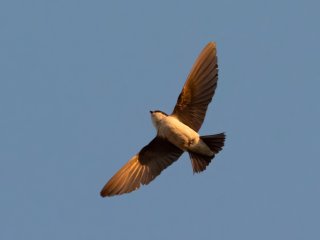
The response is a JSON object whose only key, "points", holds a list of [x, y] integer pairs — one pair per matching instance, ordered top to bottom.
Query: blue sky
{"points": [[78, 79]]}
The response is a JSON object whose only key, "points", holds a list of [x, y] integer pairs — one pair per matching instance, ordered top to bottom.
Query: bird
{"points": [[176, 133]]}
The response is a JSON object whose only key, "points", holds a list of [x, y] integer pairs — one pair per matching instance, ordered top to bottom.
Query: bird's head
{"points": [[156, 117]]}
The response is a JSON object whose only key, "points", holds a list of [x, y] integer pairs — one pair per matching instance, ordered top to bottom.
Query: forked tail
{"points": [[215, 143]]}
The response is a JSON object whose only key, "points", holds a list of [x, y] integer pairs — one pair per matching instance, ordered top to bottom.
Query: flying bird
{"points": [[177, 132]]}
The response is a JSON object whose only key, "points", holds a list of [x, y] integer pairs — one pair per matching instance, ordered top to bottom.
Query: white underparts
{"points": [[180, 135]]}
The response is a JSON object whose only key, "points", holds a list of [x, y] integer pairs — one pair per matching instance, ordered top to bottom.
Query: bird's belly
{"points": [[178, 133], [182, 136]]}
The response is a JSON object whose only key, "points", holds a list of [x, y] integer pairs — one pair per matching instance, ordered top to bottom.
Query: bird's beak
{"points": [[151, 112]]}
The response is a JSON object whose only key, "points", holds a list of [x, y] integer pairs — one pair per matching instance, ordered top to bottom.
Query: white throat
{"points": [[156, 118]]}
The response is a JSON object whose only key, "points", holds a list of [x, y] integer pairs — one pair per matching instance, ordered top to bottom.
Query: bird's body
{"points": [[177, 132]]}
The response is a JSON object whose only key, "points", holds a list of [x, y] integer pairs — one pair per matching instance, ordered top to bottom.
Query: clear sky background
{"points": [[77, 81]]}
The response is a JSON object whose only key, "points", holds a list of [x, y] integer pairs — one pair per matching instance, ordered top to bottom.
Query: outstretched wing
{"points": [[199, 89], [142, 168]]}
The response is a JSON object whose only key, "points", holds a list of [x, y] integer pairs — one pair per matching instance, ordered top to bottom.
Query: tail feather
{"points": [[215, 143], [199, 162]]}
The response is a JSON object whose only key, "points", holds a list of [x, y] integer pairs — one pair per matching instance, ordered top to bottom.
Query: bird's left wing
{"points": [[199, 89], [142, 168]]}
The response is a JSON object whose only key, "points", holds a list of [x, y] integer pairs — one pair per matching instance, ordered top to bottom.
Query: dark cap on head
{"points": [[155, 111]]}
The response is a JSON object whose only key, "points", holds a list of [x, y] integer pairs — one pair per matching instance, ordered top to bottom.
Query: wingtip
{"points": [[212, 45], [105, 192], [102, 194]]}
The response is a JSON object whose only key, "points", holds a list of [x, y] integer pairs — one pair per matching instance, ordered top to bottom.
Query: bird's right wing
{"points": [[142, 168]]}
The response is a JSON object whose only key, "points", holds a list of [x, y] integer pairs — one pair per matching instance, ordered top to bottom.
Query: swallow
{"points": [[176, 133]]}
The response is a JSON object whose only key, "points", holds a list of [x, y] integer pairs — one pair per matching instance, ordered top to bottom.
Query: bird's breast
{"points": [[177, 133]]}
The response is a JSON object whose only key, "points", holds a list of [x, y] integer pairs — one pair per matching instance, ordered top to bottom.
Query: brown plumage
{"points": [[199, 89], [190, 110], [143, 167]]}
